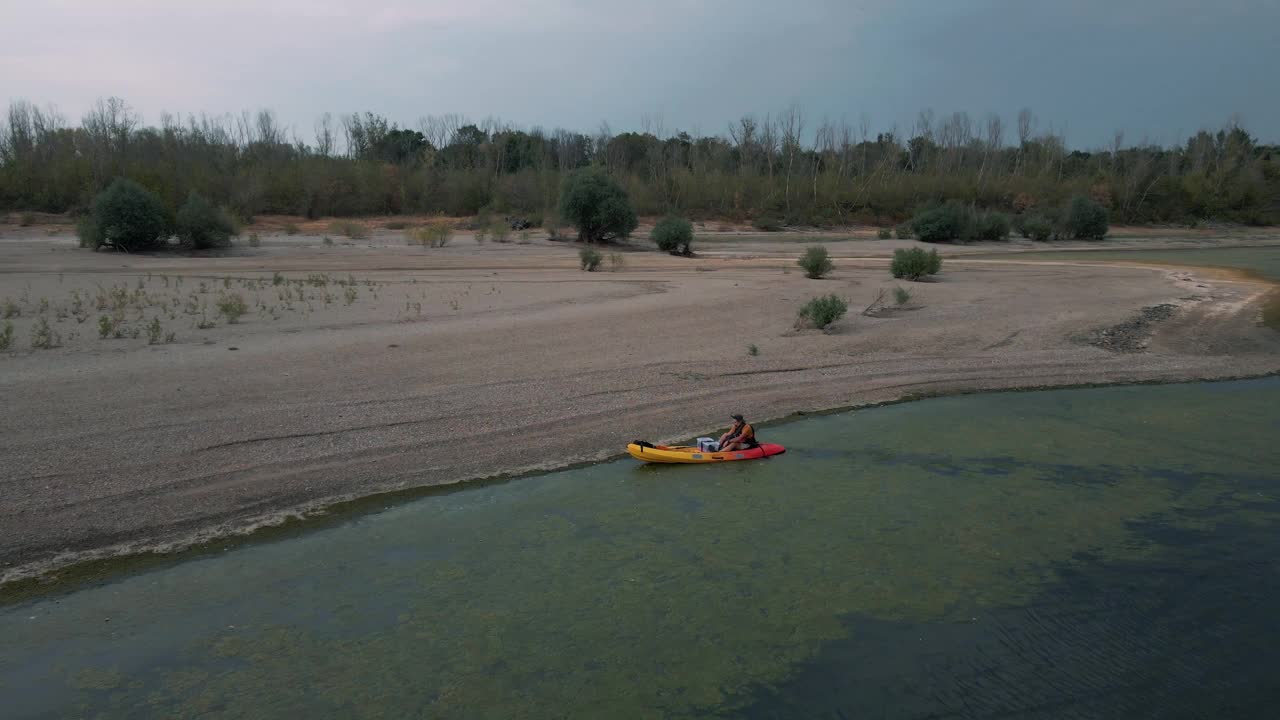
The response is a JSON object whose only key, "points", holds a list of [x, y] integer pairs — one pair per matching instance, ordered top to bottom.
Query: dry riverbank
{"points": [[372, 366]]}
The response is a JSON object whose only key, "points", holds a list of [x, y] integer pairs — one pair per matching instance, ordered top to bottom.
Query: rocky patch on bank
{"points": [[1131, 335]]}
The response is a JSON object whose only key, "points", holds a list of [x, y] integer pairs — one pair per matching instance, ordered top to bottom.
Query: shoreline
{"points": [[307, 421], [61, 576]]}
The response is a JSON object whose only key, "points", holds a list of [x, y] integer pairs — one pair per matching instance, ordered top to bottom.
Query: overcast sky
{"points": [[1158, 69]]}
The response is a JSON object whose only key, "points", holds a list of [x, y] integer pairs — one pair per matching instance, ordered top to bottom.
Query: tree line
{"points": [[778, 169]]}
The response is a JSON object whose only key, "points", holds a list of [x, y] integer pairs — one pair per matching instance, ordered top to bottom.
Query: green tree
{"points": [[597, 205], [126, 215], [1085, 219], [201, 225], [673, 235], [815, 262]]}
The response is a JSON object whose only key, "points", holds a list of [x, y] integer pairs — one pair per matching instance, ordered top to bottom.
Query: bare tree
{"points": [[325, 139]]}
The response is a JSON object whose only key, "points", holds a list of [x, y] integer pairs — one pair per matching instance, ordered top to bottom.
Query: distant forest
{"points": [[779, 169]]}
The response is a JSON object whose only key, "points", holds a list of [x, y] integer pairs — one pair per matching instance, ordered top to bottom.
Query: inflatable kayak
{"points": [[687, 454]]}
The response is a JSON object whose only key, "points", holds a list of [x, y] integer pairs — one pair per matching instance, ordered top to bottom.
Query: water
{"points": [[1262, 260], [1081, 553]]}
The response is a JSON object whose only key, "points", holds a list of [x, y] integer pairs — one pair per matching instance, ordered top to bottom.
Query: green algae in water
{"points": [[639, 591]]}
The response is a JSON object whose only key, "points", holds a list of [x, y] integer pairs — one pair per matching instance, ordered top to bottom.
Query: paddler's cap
{"points": [[737, 417]]}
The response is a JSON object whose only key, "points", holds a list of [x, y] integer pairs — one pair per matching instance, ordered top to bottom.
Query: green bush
{"points": [[597, 205], [125, 215], [1085, 219], [950, 221], [767, 224], [201, 225], [991, 226], [291, 228], [349, 228], [1038, 228], [500, 231], [903, 231], [884, 233], [435, 235], [673, 235], [590, 259], [815, 262], [914, 263], [901, 295], [232, 306], [822, 311], [6, 337]]}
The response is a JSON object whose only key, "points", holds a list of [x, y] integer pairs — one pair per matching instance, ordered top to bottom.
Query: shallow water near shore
{"points": [[1105, 552]]}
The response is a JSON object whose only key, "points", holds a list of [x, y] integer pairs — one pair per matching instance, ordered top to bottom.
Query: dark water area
{"points": [[1094, 553]]}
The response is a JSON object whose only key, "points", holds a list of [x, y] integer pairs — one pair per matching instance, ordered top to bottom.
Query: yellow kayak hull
{"points": [[686, 455]]}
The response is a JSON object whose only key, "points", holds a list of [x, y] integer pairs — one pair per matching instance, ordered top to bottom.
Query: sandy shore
{"points": [[372, 366]]}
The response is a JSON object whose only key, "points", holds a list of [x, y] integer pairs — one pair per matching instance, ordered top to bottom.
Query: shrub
{"points": [[597, 205], [126, 215], [26, 219], [1085, 219], [942, 222], [767, 224], [201, 225], [397, 225], [991, 226], [291, 228], [349, 228], [1038, 228], [500, 231], [903, 231], [884, 233], [436, 235], [673, 235], [254, 240], [589, 258], [616, 262], [815, 262], [915, 263], [901, 295], [232, 306], [822, 311], [154, 331], [6, 337], [44, 337], [752, 350]]}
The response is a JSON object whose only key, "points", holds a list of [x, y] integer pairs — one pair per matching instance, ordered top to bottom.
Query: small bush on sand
{"points": [[126, 215], [26, 219], [1085, 219], [950, 221], [201, 225], [397, 225], [991, 226], [291, 228], [349, 228], [500, 231], [903, 231], [884, 233], [434, 235], [673, 235], [326, 241], [589, 258], [616, 262], [815, 262], [914, 263], [901, 295], [232, 306], [822, 311], [155, 332], [6, 336], [44, 337], [752, 350]]}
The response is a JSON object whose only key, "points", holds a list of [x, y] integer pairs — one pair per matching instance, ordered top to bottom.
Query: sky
{"points": [[1158, 70]]}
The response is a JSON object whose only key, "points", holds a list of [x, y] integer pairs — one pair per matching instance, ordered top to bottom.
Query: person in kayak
{"points": [[740, 437]]}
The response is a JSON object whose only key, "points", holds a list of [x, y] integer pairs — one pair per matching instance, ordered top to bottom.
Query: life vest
{"points": [[738, 436]]}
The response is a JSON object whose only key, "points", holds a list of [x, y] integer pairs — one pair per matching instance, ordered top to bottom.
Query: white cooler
{"points": [[706, 444]]}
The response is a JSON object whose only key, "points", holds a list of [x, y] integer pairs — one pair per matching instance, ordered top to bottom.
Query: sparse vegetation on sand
{"points": [[673, 235], [589, 258], [815, 262], [915, 263], [820, 312]]}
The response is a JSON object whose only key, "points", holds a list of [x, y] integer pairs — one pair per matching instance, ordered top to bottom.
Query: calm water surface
{"points": [[1109, 552]]}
